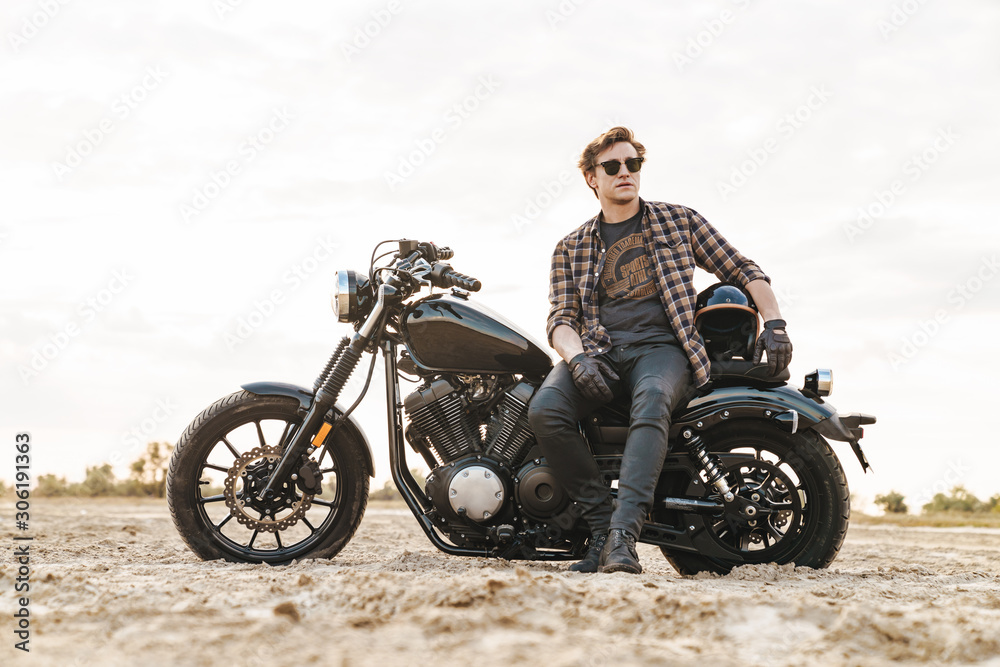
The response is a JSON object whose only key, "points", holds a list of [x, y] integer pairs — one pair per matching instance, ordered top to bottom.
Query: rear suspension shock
{"points": [[709, 463]]}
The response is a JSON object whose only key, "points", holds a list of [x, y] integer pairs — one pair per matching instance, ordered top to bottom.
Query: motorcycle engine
{"points": [[450, 419], [474, 431]]}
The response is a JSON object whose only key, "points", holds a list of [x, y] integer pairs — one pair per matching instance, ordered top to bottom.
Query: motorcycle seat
{"points": [[737, 371]]}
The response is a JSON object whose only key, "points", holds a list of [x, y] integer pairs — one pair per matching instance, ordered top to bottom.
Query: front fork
{"points": [[327, 388]]}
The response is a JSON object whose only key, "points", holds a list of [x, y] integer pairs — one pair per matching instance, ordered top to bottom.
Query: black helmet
{"points": [[727, 320]]}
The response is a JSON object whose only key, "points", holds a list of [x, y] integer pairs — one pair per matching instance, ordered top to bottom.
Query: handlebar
{"points": [[413, 249], [442, 275]]}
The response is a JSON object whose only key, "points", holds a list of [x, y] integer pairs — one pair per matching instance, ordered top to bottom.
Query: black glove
{"points": [[777, 344], [591, 375]]}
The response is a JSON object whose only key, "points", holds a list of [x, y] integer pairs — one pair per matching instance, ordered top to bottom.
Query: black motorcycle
{"points": [[278, 472]]}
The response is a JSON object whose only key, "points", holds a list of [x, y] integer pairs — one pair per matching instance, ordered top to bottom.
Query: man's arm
{"points": [[716, 255], [763, 296], [564, 306], [773, 341], [566, 342], [590, 374]]}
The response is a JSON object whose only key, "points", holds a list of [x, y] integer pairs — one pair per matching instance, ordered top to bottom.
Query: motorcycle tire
{"points": [[225, 451], [811, 466]]}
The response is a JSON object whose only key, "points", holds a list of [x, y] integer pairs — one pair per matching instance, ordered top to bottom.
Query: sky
{"points": [[181, 180]]}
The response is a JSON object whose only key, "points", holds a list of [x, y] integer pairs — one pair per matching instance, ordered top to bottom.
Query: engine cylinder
{"points": [[441, 422], [509, 437]]}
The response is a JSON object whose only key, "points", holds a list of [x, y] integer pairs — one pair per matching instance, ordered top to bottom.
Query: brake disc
{"points": [[274, 514]]}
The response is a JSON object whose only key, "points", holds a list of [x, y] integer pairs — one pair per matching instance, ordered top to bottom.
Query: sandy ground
{"points": [[112, 584]]}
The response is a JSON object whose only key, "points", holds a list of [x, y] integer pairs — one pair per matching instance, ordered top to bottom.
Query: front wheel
{"points": [[222, 461], [798, 490]]}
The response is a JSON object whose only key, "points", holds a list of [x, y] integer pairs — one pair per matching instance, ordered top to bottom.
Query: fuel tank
{"points": [[451, 334]]}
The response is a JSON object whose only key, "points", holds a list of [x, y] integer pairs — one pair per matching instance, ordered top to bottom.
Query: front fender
{"points": [[305, 399], [745, 402]]}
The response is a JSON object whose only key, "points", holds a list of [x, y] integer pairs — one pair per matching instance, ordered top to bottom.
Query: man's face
{"points": [[621, 188]]}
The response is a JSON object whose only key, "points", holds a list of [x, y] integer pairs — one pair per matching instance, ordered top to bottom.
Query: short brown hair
{"points": [[588, 159]]}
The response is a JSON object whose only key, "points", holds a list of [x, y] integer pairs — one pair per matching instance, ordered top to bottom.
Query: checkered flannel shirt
{"points": [[677, 239]]}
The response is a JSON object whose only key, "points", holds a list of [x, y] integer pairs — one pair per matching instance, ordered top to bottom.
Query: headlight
{"points": [[352, 296]]}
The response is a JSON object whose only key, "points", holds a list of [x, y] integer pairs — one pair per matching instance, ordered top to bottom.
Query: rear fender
{"points": [[305, 399], [743, 402], [787, 407]]}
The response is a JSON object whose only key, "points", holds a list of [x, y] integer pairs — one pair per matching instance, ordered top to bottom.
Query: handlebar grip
{"points": [[444, 252], [443, 276], [465, 282]]}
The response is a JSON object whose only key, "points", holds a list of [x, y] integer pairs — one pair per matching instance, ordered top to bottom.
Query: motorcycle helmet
{"points": [[726, 317]]}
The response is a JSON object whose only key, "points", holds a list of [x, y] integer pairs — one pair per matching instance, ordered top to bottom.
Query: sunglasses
{"points": [[612, 167]]}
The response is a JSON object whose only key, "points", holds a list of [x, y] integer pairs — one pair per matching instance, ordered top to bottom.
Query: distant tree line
{"points": [[147, 478], [959, 499]]}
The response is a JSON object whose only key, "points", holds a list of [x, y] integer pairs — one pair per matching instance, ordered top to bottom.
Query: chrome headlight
{"points": [[353, 296]]}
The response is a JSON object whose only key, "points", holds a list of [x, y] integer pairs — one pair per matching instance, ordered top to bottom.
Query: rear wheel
{"points": [[222, 462], [799, 495]]}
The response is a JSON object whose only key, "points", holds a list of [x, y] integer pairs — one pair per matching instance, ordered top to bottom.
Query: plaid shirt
{"points": [[677, 239]]}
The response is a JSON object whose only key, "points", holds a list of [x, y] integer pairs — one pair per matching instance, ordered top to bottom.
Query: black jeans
{"points": [[657, 376]]}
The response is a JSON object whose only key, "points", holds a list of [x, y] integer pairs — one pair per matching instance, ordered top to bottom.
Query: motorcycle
{"points": [[278, 472]]}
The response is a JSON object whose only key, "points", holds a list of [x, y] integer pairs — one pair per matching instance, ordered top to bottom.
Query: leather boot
{"points": [[619, 553], [592, 561]]}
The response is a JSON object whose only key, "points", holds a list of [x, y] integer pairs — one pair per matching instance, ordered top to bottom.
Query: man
{"points": [[622, 319]]}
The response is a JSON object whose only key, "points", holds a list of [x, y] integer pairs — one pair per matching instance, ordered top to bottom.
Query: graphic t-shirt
{"points": [[628, 296]]}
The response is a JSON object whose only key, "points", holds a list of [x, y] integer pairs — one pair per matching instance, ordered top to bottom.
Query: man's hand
{"points": [[775, 341], [590, 375]]}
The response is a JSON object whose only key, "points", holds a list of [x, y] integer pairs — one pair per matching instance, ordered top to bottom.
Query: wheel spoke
{"points": [[260, 434], [281, 440], [232, 449], [215, 467], [326, 470], [767, 478], [212, 499], [324, 503], [222, 523], [311, 528], [775, 533], [252, 538], [277, 538], [743, 542]]}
